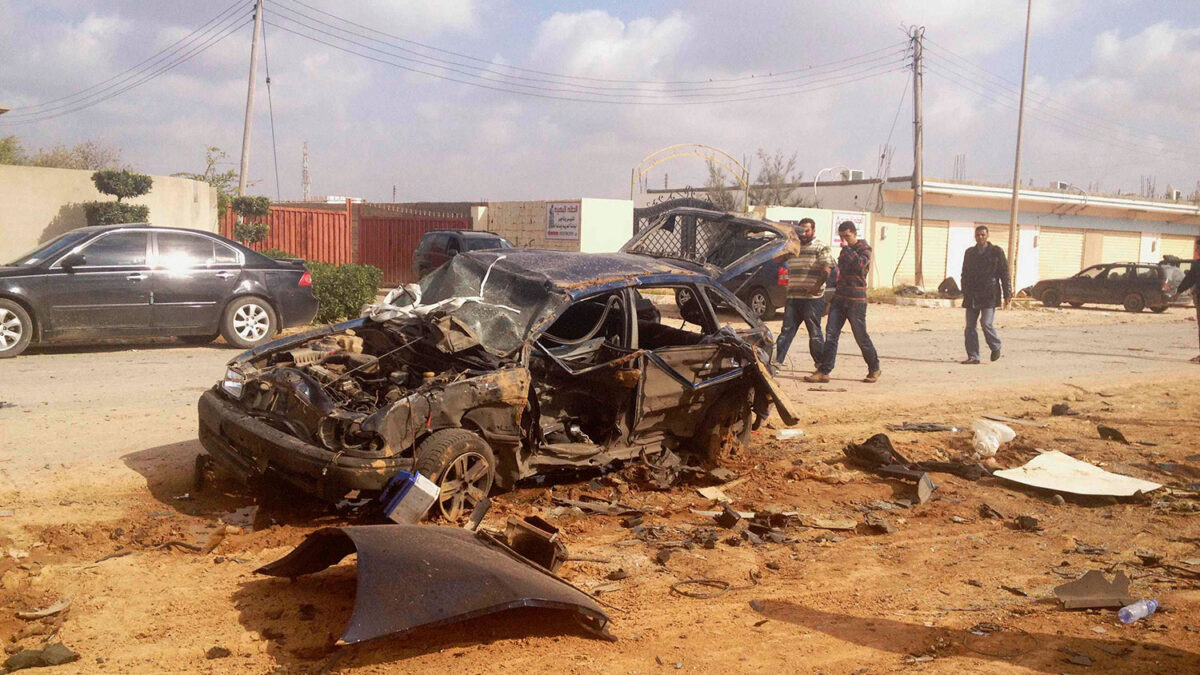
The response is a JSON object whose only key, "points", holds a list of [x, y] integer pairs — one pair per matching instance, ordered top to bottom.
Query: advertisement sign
{"points": [[856, 217], [562, 221]]}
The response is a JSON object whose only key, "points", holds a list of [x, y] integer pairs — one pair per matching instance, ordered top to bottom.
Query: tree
{"points": [[11, 151], [88, 155], [777, 181], [225, 182], [122, 185], [719, 193], [251, 211]]}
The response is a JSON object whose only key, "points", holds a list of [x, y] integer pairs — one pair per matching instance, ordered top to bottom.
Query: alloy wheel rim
{"points": [[685, 296], [758, 303], [250, 322], [11, 329], [463, 485]]}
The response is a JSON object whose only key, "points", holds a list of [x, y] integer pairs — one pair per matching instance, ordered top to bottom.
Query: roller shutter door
{"points": [[998, 235], [1180, 246], [1121, 247], [1060, 252], [933, 258]]}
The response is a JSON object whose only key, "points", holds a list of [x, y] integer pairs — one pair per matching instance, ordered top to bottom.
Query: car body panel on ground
{"points": [[140, 281]]}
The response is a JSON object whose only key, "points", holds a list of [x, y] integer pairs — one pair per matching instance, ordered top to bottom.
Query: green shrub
{"points": [[122, 184], [251, 207], [115, 213], [250, 233], [277, 254], [343, 290]]}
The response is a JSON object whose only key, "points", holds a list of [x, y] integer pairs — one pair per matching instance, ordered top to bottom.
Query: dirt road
{"points": [[99, 448]]}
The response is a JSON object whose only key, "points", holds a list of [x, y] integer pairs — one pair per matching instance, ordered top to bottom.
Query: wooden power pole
{"points": [[245, 168], [918, 169], [1016, 186]]}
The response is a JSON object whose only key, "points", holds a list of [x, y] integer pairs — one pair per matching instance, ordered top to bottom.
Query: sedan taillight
{"points": [[781, 277], [305, 279]]}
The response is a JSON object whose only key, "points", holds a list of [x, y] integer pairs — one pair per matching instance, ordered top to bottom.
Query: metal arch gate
{"points": [[646, 215]]}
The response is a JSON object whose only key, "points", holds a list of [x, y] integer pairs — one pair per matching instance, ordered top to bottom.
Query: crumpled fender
{"points": [[411, 576]]}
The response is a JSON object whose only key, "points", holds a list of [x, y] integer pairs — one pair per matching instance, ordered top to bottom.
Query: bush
{"points": [[122, 184], [251, 207], [115, 213], [250, 233], [343, 290]]}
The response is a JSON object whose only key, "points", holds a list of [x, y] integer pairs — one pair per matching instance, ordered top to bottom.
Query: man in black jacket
{"points": [[984, 283]]}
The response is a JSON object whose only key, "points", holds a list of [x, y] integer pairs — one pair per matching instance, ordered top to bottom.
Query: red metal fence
{"points": [[312, 234], [388, 242]]}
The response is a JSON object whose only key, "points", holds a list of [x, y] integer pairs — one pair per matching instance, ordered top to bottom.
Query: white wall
{"points": [[822, 217], [605, 224], [960, 237], [1151, 248], [1027, 257]]}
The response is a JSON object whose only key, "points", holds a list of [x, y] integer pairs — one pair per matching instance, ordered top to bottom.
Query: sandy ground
{"points": [[99, 445]]}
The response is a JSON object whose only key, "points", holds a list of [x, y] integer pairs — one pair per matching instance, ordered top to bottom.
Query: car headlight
{"points": [[234, 383]]}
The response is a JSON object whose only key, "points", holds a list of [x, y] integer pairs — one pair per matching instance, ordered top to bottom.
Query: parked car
{"points": [[438, 246], [724, 246], [139, 281], [1133, 285], [498, 366]]}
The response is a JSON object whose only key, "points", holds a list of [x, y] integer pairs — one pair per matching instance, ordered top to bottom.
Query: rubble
{"points": [[1062, 473], [1093, 590]]}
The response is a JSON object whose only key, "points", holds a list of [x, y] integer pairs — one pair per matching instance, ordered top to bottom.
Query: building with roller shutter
{"points": [[1059, 232]]}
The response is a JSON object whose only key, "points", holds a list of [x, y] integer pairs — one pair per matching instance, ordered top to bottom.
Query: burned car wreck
{"points": [[499, 366]]}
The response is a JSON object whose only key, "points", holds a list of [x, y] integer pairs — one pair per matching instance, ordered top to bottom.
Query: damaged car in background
{"points": [[503, 365]]}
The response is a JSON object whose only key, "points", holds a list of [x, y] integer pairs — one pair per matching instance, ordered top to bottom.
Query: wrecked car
{"points": [[501, 365]]}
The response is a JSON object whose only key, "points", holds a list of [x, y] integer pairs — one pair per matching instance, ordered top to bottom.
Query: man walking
{"points": [[807, 272], [984, 282], [849, 304]]}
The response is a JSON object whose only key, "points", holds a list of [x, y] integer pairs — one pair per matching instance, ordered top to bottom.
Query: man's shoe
{"points": [[995, 354], [970, 362], [873, 376], [817, 377]]}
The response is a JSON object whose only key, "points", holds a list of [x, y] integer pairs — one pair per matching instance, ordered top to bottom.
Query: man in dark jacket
{"points": [[1192, 280], [985, 286], [849, 304]]}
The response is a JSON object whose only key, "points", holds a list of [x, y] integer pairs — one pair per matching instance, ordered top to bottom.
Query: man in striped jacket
{"points": [[807, 271], [849, 304]]}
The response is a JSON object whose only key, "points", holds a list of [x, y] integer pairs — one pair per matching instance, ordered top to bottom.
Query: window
{"points": [[481, 243], [122, 249], [176, 249], [224, 255], [1091, 273], [1147, 273], [728, 314], [669, 316]]}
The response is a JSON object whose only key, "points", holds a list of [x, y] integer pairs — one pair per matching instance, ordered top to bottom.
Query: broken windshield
{"points": [[717, 240]]}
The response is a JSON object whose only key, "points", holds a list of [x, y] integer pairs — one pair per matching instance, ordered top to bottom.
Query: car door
{"points": [[192, 277], [1111, 285], [1081, 287], [107, 293]]}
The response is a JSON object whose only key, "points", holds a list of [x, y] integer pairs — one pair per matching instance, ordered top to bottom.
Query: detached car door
{"points": [[193, 276], [108, 293]]}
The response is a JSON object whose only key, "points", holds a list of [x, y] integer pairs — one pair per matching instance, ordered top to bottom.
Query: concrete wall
{"points": [[38, 204], [524, 224], [606, 224]]}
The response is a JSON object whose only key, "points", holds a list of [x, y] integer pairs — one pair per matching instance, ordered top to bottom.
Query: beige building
{"points": [[38, 204], [584, 224]]}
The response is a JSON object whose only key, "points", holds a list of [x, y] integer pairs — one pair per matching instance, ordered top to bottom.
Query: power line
{"points": [[207, 44], [558, 75], [500, 79], [840, 80], [271, 112]]}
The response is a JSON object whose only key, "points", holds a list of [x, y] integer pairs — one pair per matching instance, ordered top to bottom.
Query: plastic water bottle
{"points": [[1138, 610]]}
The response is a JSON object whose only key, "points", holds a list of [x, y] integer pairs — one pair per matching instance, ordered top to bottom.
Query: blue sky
{"points": [[1115, 86]]}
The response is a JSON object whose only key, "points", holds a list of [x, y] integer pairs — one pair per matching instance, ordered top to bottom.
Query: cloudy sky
{"points": [[474, 100]]}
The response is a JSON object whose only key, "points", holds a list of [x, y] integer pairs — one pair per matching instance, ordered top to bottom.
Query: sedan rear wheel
{"points": [[760, 303], [248, 322], [16, 329], [463, 467]]}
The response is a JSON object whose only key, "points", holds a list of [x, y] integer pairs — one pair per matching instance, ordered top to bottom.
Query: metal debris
{"points": [[922, 427], [1111, 434], [1062, 473], [1094, 590], [34, 614]]}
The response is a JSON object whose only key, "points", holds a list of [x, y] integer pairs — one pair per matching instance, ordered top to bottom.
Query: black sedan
{"points": [[142, 281], [1132, 285]]}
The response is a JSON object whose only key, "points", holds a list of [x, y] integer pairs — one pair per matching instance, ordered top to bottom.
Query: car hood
{"points": [[725, 244]]}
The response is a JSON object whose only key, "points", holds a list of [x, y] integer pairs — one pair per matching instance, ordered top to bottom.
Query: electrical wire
{"points": [[558, 75], [500, 80], [840, 80], [271, 112], [7, 120]]}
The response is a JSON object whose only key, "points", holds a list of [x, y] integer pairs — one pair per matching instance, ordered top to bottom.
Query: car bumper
{"points": [[297, 307], [250, 449]]}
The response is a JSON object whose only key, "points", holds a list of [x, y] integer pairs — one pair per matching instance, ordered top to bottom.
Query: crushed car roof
{"points": [[569, 271]]}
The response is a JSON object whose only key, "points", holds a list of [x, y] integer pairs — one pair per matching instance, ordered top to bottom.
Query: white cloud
{"points": [[597, 44]]}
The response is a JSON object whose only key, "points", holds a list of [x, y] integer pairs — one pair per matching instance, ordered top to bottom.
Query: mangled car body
{"points": [[502, 365]]}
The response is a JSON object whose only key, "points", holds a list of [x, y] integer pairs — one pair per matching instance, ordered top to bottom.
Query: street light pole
{"points": [[245, 167], [1016, 186]]}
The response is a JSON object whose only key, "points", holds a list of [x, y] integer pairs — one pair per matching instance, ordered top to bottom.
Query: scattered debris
{"points": [[831, 390], [7, 404], [1061, 409], [1010, 420], [921, 427], [788, 434], [1111, 434], [989, 436], [877, 454], [1062, 473], [722, 475], [925, 488], [714, 493], [599, 507], [986, 511], [7, 513], [960, 520], [629, 522], [831, 523], [879, 523], [1027, 524], [662, 556], [617, 575], [606, 588], [1094, 590], [1015, 591], [1137, 610], [34, 614], [217, 653], [54, 655], [1076, 658]]}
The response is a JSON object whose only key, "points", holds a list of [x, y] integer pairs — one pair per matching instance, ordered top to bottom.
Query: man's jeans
{"points": [[806, 311], [840, 311], [984, 316]]}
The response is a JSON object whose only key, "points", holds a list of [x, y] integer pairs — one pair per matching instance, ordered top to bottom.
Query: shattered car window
{"points": [[711, 241], [513, 303]]}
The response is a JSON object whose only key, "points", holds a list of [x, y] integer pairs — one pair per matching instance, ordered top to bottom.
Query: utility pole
{"points": [[250, 98], [918, 168], [307, 182], [1012, 220]]}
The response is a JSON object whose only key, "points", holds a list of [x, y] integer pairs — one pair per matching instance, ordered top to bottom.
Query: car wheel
{"points": [[1051, 298], [1134, 302], [760, 303], [1076, 305], [1159, 310], [248, 322], [16, 329], [198, 339], [725, 427], [463, 467]]}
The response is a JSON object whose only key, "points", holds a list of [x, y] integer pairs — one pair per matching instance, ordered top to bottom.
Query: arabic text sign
{"points": [[856, 218], [562, 221]]}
